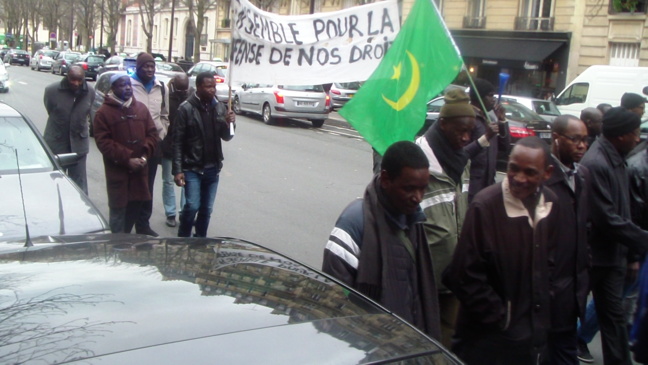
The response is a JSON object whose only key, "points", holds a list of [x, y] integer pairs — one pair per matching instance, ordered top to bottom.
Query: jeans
{"points": [[168, 190], [200, 193]]}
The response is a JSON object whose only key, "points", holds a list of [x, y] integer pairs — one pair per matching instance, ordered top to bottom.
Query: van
{"points": [[601, 84]]}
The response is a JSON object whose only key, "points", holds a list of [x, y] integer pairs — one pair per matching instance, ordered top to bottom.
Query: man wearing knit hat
{"points": [[154, 94], [634, 103], [488, 137], [446, 199], [613, 232]]}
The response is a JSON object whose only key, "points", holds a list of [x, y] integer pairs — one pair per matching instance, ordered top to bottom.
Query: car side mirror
{"points": [[244, 86], [67, 159]]}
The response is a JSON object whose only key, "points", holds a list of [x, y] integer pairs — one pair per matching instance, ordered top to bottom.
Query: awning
{"points": [[531, 50]]}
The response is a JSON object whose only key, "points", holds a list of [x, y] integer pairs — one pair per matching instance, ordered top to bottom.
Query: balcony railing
{"points": [[475, 22], [527, 23]]}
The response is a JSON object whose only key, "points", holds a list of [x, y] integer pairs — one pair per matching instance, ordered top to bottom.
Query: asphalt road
{"points": [[281, 186]]}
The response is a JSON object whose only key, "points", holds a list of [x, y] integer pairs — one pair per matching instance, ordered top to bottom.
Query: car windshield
{"points": [[20, 52], [50, 54], [71, 56], [95, 59], [169, 67], [355, 85], [302, 87], [545, 107], [518, 112], [16, 137]]}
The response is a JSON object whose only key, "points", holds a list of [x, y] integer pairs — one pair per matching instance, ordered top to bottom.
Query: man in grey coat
{"points": [[68, 105]]}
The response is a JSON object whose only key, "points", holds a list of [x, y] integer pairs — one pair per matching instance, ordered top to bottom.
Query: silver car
{"points": [[43, 59], [219, 70], [342, 92], [283, 101], [545, 108]]}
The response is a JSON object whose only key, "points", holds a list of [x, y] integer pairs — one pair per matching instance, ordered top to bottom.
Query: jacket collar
{"points": [[65, 85], [607, 148], [435, 168], [515, 208]]}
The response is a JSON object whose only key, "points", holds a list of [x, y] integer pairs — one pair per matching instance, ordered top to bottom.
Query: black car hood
{"points": [[53, 206], [133, 299]]}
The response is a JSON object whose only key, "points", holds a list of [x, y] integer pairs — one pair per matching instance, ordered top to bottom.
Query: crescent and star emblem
{"points": [[409, 94]]}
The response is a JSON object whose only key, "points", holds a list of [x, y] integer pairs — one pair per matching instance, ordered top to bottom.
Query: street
{"points": [[282, 186]]}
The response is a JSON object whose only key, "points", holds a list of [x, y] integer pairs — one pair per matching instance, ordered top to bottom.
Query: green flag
{"points": [[391, 105]]}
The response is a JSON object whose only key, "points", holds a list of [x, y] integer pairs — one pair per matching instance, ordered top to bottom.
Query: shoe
{"points": [[170, 221], [147, 231], [583, 353]]}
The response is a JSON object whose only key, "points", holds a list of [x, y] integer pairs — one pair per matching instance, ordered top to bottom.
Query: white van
{"points": [[601, 84]]}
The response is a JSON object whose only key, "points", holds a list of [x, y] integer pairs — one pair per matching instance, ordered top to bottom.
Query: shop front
{"points": [[535, 61]]}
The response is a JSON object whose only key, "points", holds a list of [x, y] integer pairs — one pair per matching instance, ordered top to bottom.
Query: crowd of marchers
{"points": [[144, 123], [498, 272], [501, 272]]}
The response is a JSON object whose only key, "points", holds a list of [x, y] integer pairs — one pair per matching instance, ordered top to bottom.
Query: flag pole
{"points": [[229, 67], [472, 85]]}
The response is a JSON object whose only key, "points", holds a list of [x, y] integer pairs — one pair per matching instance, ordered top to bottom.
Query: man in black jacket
{"points": [[68, 104], [200, 124], [613, 231], [570, 253]]}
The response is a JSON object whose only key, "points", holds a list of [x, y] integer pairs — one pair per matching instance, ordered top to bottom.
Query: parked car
{"points": [[3, 53], [17, 56], [43, 59], [63, 61], [91, 63], [118, 63], [168, 68], [219, 70], [4, 79], [102, 86], [342, 92], [284, 101], [545, 108], [522, 122], [36, 194], [133, 299]]}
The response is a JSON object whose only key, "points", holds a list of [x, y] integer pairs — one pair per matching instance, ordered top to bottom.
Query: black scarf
{"points": [[452, 161]]}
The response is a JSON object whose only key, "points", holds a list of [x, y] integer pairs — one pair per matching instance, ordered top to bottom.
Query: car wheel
{"points": [[52, 70], [61, 71], [236, 106], [267, 114], [317, 123]]}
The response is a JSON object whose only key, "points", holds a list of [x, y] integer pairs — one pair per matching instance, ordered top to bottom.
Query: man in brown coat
{"points": [[126, 137]]}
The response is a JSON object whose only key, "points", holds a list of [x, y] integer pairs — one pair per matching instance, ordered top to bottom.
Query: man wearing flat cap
{"points": [[154, 95], [126, 137], [446, 199], [613, 231]]}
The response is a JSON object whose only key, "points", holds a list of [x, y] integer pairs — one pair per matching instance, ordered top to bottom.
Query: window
{"points": [[627, 6], [535, 15], [475, 17], [166, 27], [175, 27], [129, 32], [155, 34], [624, 54], [575, 94]]}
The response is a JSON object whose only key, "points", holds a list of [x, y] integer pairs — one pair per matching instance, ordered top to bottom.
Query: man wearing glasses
{"points": [[613, 232], [570, 259]]}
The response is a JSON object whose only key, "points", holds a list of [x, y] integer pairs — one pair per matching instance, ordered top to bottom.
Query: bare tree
{"points": [[35, 7], [113, 10], [198, 11], [85, 13], [147, 14], [13, 19]]}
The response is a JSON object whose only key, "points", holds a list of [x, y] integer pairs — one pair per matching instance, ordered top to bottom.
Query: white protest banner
{"points": [[320, 48]]}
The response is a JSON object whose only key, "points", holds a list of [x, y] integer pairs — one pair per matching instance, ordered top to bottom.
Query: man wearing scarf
{"points": [[126, 137], [446, 199], [378, 244]]}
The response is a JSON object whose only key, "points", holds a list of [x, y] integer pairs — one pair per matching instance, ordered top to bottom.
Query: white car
{"points": [[219, 70], [4, 78], [284, 101]]}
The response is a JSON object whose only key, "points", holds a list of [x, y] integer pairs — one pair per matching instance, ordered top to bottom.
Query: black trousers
{"points": [[123, 219], [143, 221], [607, 287], [562, 347], [492, 350]]}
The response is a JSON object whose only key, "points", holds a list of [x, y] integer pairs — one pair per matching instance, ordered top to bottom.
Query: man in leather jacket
{"points": [[200, 124]]}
